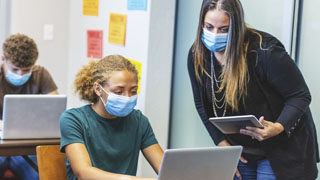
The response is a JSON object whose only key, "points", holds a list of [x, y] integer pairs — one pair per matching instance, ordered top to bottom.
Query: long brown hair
{"points": [[234, 71]]}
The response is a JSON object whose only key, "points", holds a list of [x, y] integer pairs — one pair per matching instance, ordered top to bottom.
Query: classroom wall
{"points": [[29, 17], [4, 22], [278, 23], [136, 42], [309, 58], [159, 72], [186, 128]]}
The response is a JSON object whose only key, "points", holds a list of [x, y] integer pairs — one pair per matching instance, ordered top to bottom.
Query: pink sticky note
{"points": [[94, 43]]}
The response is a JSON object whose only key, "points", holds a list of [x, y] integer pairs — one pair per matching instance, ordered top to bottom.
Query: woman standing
{"points": [[237, 70]]}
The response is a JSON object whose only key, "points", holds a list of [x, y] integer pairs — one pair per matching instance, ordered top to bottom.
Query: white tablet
{"points": [[233, 124]]}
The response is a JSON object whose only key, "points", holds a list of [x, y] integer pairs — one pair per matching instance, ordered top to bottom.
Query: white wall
{"points": [[29, 17], [4, 21], [278, 23], [136, 42], [309, 62], [159, 71], [187, 129]]}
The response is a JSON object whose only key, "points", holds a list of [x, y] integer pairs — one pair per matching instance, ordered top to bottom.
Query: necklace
{"points": [[214, 74], [215, 101]]}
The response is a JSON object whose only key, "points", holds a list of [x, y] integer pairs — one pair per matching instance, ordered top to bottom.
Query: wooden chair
{"points": [[51, 163]]}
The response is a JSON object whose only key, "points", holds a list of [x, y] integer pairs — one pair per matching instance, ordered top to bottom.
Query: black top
{"points": [[277, 91], [251, 147]]}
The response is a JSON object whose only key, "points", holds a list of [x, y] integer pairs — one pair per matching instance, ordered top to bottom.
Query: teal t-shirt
{"points": [[113, 144]]}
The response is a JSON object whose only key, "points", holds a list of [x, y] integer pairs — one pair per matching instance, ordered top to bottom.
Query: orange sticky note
{"points": [[90, 7], [117, 28]]}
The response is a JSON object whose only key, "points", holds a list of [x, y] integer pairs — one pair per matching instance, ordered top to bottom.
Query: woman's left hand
{"points": [[270, 129]]}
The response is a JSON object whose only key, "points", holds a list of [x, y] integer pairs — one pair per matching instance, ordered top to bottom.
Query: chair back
{"points": [[51, 163]]}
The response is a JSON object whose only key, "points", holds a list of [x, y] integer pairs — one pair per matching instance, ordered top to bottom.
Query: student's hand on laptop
{"points": [[243, 160], [135, 178]]}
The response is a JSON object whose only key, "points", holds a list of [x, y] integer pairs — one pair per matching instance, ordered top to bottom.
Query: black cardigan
{"points": [[277, 91]]}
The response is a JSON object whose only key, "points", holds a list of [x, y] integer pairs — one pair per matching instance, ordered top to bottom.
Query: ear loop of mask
{"points": [[104, 103]]}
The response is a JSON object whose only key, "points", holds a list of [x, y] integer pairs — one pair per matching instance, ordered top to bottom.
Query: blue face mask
{"points": [[213, 41], [17, 79], [119, 106]]}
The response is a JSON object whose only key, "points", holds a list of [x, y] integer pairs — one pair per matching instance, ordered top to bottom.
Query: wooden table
{"points": [[24, 147]]}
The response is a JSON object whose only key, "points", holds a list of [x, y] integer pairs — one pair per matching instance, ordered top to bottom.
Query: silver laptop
{"points": [[32, 116], [214, 163]]}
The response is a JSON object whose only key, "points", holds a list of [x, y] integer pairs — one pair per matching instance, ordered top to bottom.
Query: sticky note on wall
{"points": [[137, 5], [90, 7], [117, 28], [94, 43], [138, 66]]}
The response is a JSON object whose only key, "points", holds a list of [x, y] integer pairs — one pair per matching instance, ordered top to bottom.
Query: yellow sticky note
{"points": [[90, 7], [117, 28], [138, 66]]}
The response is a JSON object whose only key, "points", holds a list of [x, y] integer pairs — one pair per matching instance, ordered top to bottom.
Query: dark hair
{"points": [[20, 50]]}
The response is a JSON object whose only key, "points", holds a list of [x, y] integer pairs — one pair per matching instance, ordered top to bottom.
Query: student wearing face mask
{"points": [[237, 70], [20, 75], [102, 140]]}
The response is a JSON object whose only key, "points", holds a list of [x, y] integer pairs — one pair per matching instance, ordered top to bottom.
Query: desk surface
{"points": [[23, 147]]}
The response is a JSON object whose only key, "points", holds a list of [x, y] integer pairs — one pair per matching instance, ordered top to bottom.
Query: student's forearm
{"points": [[54, 92], [224, 143], [154, 155], [92, 173]]}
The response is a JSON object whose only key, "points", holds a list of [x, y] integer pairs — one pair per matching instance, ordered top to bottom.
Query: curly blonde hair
{"points": [[20, 50], [99, 71]]}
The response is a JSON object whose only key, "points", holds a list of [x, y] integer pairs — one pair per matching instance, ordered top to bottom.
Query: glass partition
{"points": [[309, 61]]}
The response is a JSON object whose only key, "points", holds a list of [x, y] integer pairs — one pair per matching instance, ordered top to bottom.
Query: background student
{"points": [[237, 70], [20, 75], [103, 139]]}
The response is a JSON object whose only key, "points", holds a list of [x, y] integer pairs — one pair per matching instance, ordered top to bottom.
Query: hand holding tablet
{"points": [[233, 124]]}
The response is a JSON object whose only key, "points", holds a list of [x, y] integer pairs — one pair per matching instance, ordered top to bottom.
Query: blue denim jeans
{"points": [[19, 166], [256, 170]]}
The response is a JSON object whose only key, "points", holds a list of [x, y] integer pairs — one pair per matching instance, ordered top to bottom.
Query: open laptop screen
{"points": [[32, 116], [200, 163]]}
